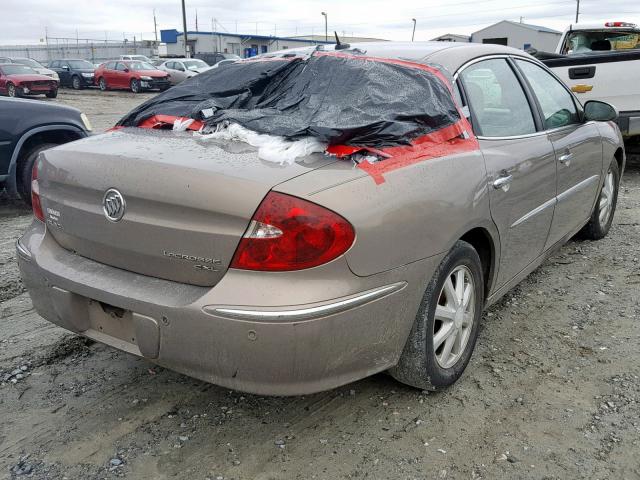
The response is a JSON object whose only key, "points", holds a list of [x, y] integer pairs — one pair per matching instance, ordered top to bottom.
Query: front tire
{"points": [[76, 83], [102, 83], [135, 86], [13, 91], [52, 93], [26, 167], [602, 217], [445, 330]]}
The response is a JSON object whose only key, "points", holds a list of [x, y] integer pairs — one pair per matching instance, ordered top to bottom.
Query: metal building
{"points": [[518, 35], [244, 45]]}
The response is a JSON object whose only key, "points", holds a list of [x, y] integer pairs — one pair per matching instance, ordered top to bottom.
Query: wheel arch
{"points": [[45, 134], [619, 156], [487, 246]]}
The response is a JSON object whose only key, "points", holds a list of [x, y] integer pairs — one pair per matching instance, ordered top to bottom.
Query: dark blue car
{"points": [[28, 127]]}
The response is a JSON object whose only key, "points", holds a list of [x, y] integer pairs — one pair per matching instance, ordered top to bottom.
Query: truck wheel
{"points": [[76, 83], [135, 86], [13, 91], [26, 166], [602, 217], [445, 330]]}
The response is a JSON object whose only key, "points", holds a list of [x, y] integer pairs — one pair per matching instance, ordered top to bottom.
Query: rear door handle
{"points": [[565, 158], [503, 183]]}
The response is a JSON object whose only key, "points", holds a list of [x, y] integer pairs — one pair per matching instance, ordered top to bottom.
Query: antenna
{"points": [[339, 45]]}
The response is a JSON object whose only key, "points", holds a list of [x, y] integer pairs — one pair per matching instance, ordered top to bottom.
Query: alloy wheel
{"points": [[76, 83], [103, 84], [11, 90], [606, 198], [454, 317]]}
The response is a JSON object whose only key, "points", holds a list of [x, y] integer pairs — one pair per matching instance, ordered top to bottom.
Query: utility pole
{"points": [[577, 10], [196, 19], [155, 25], [184, 27], [326, 29], [413, 34]]}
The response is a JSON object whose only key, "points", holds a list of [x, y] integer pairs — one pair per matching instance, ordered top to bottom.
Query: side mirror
{"points": [[65, 67], [126, 70], [597, 111]]}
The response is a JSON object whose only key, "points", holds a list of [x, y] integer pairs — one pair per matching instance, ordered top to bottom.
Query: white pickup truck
{"points": [[602, 62]]}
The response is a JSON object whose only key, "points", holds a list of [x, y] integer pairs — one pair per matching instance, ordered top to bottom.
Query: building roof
{"points": [[530, 26], [451, 35], [171, 36], [343, 38]]}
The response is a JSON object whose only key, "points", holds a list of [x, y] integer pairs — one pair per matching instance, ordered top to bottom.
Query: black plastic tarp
{"points": [[342, 100]]}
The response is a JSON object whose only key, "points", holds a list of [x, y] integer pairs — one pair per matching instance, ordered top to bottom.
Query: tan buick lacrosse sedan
{"points": [[294, 222]]}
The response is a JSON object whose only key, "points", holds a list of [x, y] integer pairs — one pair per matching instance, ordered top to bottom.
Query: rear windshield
{"points": [[601, 41], [79, 64], [140, 66], [17, 69], [339, 99]]}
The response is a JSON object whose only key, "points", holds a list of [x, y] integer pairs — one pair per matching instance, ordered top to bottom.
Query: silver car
{"points": [[180, 69], [295, 278]]}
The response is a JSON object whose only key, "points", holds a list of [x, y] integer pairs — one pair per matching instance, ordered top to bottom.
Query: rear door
{"points": [[109, 74], [577, 147], [519, 159]]}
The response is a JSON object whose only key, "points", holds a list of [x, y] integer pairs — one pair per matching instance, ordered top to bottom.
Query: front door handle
{"points": [[565, 158], [503, 183]]}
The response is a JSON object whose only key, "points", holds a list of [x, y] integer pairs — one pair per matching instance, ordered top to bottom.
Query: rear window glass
{"points": [[601, 41], [339, 99]]}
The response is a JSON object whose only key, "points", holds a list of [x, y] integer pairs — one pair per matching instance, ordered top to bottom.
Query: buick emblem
{"points": [[113, 205]]}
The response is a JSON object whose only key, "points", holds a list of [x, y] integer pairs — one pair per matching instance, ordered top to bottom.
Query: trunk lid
{"points": [[188, 201]]}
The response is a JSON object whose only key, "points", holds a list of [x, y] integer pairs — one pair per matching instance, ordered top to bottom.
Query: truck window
{"points": [[586, 41]]}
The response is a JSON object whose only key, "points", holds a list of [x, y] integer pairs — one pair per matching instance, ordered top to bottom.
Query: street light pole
{"points": [[577, 11], [184, 27], [326, 29], [414, 29]]}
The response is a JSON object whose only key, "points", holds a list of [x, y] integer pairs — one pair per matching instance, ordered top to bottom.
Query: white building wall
{"points": [[519, 36]]}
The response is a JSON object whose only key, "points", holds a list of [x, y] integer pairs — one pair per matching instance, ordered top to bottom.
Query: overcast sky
{"points": [[25, 21]]}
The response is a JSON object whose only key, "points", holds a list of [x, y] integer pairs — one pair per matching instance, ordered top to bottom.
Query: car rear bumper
{"points": [[629, 123], [272, 348]]}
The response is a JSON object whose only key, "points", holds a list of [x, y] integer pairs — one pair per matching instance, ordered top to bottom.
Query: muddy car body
{"points": [[187, 259]]}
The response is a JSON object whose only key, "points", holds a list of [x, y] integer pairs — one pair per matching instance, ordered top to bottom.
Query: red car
{"points": [[131, 75], [18, 80]]}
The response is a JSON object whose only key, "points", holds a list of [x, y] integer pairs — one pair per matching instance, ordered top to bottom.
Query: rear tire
{"points": [[102, 83], [76, 84], [135, 85], [13, 91], [26, 166], [602, 217], [440, 344]]}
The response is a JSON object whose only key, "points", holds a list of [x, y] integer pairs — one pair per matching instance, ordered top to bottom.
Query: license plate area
{"points": [[112, 321]]}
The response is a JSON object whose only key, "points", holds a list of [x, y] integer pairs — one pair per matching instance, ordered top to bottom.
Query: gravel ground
{"points": [[552, 391]]}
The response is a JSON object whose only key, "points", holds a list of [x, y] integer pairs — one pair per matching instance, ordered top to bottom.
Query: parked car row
{"points": [[24, 76]]}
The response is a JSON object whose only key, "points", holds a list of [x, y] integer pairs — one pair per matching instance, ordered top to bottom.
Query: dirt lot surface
{"points": [[552, 391]]}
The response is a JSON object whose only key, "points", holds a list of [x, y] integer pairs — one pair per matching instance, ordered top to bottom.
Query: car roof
{"points": [[451, 55]]}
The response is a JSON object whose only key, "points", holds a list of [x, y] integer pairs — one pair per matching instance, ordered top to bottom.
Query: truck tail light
{"points": [[620, 24], [35, 194], [288, 233]]}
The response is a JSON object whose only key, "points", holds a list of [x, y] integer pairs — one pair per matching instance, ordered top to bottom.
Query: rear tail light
{"points": [[35, 193], [288, 233]]}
